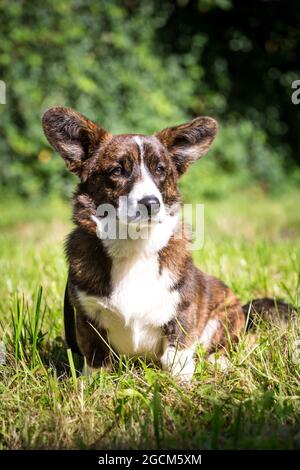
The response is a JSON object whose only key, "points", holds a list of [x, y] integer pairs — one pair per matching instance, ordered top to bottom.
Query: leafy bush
{"points": [[97, 57], [110, 61], [238, 158]]}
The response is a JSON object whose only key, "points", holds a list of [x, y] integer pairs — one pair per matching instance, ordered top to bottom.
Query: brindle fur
{"points": [[90, 152]]}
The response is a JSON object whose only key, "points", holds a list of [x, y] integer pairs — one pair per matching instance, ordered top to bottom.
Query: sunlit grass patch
{"points": [[46, 403]]}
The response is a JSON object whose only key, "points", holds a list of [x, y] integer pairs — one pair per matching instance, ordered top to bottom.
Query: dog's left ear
{"points": [[188, 142]]}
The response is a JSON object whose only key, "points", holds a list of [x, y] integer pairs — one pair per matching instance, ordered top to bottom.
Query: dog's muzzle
{"points": [[148, 207]]}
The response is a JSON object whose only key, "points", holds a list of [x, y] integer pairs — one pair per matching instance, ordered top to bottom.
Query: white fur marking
{"points": [[139, 144], [145, 186], [157, 237], [141, 302], [209, 332], [179, 362], [222, 362]]}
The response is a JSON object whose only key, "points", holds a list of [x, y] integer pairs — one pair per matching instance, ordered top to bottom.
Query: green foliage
{"points": [[97, 57], [140, 66], [238, 158], [252, 243]]}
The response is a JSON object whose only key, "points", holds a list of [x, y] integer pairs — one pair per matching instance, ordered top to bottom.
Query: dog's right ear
{"points": [[74, 136]]}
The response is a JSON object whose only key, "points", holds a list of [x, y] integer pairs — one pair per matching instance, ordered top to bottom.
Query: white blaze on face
{"points": [[145, 186]]}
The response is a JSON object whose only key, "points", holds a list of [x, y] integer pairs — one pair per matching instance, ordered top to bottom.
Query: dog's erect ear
{"points": [[74, 136], [189, 141]]}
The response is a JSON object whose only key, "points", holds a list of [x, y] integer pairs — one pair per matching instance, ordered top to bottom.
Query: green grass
{"points": [[251, 242]]}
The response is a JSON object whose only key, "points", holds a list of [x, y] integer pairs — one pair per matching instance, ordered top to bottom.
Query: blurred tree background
{"points": [[138, 66]]}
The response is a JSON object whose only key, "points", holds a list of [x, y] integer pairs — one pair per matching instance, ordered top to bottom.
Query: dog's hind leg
{"points": [[274, 311]]}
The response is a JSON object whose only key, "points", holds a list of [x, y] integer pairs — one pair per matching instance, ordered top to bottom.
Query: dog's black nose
{"points": [[151, 204]]}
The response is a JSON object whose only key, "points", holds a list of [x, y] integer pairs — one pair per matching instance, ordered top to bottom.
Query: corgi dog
{"points": [[137, 295]]}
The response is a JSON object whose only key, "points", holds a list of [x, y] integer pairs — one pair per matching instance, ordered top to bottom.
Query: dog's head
{"points": [[135, 174]]}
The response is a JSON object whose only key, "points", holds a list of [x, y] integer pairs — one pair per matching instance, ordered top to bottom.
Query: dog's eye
{"points": [[160, 169], [116, 171]]}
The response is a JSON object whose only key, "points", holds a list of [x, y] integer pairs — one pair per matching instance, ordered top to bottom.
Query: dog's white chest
{"points": [[141, 302]]}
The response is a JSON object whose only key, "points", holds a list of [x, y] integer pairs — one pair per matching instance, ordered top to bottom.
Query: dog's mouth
{"points": [[147, 211], [144, 214], [139, 219], [107, 220], [132, 223]]}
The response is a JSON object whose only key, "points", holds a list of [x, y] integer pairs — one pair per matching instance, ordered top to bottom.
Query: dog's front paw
{"points": [[221, 362], [179, 363]]}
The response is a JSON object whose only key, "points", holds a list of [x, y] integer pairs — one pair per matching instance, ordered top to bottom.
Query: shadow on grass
{"points": [[54, 355]]}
